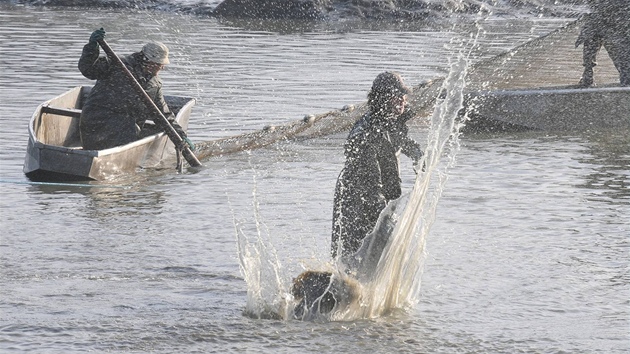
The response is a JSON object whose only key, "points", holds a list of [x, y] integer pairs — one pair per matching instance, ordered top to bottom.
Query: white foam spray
{"points": [[266, 290]]}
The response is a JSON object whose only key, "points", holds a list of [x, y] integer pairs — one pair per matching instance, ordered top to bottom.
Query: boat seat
{"points": [[70, 112]]}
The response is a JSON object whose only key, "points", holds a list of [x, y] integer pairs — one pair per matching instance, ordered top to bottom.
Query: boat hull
{"points": [[550, 109]]}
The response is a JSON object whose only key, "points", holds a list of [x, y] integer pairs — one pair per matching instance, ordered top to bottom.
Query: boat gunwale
{"points": [[550, 90], [96, 153]]}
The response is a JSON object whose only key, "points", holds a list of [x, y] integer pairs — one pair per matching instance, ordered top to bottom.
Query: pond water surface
{"points": [[529, 251]]}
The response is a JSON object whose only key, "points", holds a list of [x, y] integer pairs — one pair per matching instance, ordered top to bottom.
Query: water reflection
{"points": [[609, 155], [100, 201], [108, 204]]}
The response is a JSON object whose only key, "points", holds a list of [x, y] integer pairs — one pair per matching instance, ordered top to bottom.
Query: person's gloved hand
{"points": [[97, 35], [189, 142], [417, 168]]}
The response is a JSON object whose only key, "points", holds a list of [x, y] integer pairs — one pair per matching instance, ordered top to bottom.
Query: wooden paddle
{"points": [[169, 130]]}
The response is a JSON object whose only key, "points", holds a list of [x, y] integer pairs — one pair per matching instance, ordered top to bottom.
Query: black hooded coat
{"points": [[370, 177]]}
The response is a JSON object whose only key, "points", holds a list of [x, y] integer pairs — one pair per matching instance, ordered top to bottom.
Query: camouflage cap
{"points": [[156, 52]]}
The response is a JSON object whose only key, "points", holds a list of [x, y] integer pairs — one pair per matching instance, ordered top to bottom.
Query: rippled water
{"points": [[529, 250]]}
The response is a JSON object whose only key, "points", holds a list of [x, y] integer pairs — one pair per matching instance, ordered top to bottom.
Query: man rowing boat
{"points": [[113, 113]]}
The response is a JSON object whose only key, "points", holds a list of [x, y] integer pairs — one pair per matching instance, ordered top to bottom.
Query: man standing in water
{"points": [[608, 25], [113, 113], [370, 177]]}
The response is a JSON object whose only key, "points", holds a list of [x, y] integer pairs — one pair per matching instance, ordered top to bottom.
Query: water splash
{"points": [[260, 266], [393, 281]]}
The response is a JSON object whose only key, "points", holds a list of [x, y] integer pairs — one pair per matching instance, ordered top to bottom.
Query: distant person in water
{"points": [[607, 25], [113, 113], [370, 177]]}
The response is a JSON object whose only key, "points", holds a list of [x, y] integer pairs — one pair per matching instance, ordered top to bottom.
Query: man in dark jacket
{"points": [[607, 25], [113, 113], [370, 177]]}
